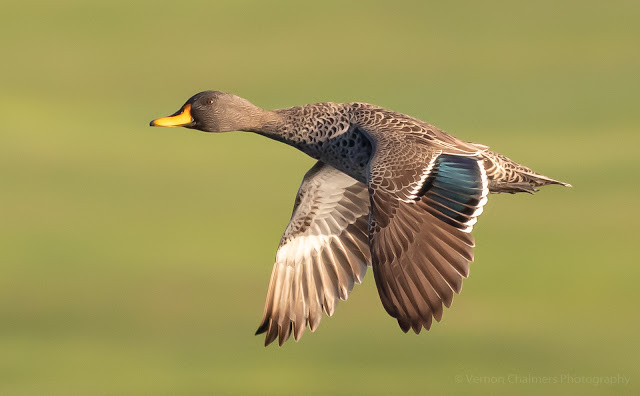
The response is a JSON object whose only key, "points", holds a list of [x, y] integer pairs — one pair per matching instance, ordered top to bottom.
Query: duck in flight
{"points": [[388, 191]]}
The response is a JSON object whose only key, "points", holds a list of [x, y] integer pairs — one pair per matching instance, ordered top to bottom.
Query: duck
{"points": [[388, 191]]}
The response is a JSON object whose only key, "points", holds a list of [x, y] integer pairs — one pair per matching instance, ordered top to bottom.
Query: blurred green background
{"points": [[135, 260]]}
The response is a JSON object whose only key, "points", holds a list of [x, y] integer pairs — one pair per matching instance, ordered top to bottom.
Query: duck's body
{"points": [[334, 133], [389, 190]]}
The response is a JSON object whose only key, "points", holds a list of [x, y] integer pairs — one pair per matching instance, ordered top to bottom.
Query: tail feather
{"points": [[508, 176], [542, 180]]}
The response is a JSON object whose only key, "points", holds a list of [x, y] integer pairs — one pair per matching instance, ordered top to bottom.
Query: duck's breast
{"points": [[348, 152]]}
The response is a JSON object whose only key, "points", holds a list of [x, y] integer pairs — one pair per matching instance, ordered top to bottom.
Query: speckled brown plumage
{"points": [[388, 190]]}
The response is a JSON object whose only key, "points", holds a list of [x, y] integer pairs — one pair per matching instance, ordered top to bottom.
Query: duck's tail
{"points": [[508, 176]]}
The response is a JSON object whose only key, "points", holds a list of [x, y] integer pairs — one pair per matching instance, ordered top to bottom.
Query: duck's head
{"points": [[212, 111]]}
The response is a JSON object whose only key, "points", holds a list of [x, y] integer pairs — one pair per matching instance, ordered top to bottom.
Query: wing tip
{"points": [[416, 325], [262, 328]]}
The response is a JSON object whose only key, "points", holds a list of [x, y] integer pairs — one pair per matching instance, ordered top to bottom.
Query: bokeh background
{"points": [[135, 260]]}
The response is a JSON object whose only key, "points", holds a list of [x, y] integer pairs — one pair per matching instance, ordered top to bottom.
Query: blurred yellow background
{"points": [[135, 260]]}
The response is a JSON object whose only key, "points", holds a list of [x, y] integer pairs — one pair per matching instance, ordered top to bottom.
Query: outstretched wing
{"points": [[425, 197], [322, 253]]}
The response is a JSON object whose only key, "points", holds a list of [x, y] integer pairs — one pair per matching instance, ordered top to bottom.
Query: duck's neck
{"points": [[263, 122], [275, 124]]}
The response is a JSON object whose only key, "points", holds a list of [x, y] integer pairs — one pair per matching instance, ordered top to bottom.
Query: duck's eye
{"points": [[209, 101]]}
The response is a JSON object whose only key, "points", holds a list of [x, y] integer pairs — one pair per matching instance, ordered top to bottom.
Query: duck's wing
{"points": [[424, 203], [323, 252]]}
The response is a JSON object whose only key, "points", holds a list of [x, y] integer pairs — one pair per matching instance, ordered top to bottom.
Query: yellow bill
{"points": [[183, 117]]}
